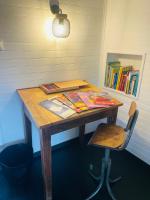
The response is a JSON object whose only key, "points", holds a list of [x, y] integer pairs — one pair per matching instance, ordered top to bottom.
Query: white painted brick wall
{"points": [[127, 29], [31, 58]]}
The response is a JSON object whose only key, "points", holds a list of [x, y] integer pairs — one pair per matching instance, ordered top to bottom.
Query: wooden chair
{"points": [[111, 137]]}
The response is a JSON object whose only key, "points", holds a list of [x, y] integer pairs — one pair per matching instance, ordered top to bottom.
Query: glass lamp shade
{"points": [[61, 26]]}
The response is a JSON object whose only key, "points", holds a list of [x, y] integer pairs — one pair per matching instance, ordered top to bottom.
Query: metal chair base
{"points": [[95, 178], [98, 178], [104, 179]]}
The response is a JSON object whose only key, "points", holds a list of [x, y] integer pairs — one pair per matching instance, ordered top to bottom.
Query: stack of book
{"points": [[122, 78], [69, 103]]}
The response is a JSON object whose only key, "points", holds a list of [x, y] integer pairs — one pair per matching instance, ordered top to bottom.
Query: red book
{"points": [[124, 82], [120, 84]]}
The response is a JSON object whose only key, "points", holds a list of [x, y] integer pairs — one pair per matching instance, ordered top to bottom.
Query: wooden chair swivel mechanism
{"points": [[111, 137]]}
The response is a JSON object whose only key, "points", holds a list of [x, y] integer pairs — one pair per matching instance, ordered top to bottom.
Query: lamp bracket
{"points": [[54, 6]]}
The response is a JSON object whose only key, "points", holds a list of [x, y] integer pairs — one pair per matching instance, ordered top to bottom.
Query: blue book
{"points": [[115, 80], [136, 85]]}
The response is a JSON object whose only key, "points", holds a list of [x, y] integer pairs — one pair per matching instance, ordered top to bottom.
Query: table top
{"points": [[31, 97]]}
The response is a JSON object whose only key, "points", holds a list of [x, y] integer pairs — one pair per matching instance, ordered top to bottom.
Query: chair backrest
{"points": [[132, 109], [133, 115]]}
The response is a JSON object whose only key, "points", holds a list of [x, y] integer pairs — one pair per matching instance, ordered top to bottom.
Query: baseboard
{"points": [[55, 147]]}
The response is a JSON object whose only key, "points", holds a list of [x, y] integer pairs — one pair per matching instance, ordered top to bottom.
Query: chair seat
{"points": [[109, 136]]}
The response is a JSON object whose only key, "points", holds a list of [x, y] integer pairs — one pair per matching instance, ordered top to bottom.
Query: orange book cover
{"points": [[76, 100]]}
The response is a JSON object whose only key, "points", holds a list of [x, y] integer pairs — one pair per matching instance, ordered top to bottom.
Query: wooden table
{"points": [[49, 124]]}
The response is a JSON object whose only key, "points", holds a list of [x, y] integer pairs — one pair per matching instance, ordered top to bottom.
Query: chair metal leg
{"points": [[105, 176], [95, 178], [115, 180], [101, 181], [107, 181]]}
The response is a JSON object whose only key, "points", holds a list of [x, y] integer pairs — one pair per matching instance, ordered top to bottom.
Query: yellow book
{"points": [[109, 69], [111, 77], [119, 77], [112, 80]]}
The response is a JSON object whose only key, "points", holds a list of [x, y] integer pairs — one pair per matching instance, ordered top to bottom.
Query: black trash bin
{"points": [[16, 161]]}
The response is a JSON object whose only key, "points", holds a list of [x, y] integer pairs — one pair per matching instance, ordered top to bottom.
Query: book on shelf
{"points": [[112, 68], [123, 74], [122, 78], [134, 78], [136, 85], [58, 108]]}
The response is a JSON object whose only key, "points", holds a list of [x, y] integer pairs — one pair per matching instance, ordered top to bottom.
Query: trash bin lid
{"points": [[16, 155]]}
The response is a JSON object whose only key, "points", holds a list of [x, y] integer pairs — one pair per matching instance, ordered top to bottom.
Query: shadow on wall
{"points": [[11, 119], [121, 123], [135, 138]]}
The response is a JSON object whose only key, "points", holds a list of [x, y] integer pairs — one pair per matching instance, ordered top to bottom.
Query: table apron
{"points": [[81, 121]]}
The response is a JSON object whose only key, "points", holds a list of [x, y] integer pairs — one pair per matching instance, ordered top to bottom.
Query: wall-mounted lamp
{"points": [[60, 25]]}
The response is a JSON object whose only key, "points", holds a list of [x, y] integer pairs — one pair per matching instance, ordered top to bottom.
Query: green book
{"points": [[111, 66]]}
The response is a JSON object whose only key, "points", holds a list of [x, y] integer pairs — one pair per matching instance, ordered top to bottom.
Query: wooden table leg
{"points": [[113, 117], [27, 130], [81, 134], [45, 140]]}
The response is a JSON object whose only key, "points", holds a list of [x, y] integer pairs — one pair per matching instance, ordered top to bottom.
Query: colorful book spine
{"points": [[109, 72], [121, 78], [136, 85]]}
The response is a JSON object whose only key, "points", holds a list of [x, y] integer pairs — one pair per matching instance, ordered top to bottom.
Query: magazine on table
{"points": [[61, 98], [103, 98], [88, 99], [96, 100], [76, 101], [66, 102], [58, 108]]}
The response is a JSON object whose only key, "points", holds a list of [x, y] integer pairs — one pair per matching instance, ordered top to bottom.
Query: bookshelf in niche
{"points": [[123, 73]]}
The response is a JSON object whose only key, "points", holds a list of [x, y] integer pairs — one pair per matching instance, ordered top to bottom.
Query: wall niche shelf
{"points": [[123, 73]]}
